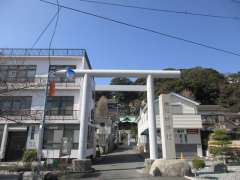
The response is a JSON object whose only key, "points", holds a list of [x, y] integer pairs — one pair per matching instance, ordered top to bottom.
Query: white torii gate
{"points": [[148, 74]]}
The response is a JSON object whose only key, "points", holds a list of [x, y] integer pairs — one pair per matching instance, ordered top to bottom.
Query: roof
{"points": [[44, 52], [185, 98], [218, 108], [144, 109], [130, 119]]}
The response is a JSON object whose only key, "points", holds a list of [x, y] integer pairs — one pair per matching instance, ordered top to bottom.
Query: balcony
{"points": [[37, 83], [37, 115]]}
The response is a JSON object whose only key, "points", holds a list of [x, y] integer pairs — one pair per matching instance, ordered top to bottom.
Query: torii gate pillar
{"points": [[151, 119]]}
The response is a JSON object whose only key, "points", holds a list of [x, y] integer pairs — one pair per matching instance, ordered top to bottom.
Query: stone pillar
{"points": [[83, 119], [151, 119], [167, 131], [119, 136], [129, 139], [4, 141], [199, 150]]}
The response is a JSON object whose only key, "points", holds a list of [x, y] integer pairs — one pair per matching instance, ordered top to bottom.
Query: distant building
{"points": [[23, 78], [233, 78], [213, 116], [217, 117], [187, 125], [127, 130]]}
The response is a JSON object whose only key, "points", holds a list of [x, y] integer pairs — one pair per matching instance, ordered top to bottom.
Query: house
{"points": [[24, 106], [217, 117], [186, 123]]}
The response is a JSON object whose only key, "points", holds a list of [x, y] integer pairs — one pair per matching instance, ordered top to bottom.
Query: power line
{"points": [[161, 10], [55, 27], [45, 29], [146, 29]]}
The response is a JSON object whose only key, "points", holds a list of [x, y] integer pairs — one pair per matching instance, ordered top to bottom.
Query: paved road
{"points": [[122, 164]]}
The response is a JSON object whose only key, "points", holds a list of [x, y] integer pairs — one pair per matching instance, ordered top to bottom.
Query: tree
{"points": [[202, 84], [123, 97], [230, 97], [101, 109], [218, 144], [198, 164]]}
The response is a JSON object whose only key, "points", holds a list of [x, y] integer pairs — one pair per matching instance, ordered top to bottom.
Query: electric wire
{"points": [[160, 10], [45, 29], [146, 29]]}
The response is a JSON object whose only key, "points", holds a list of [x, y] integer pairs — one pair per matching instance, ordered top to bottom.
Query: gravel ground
{"points": [[233, 174]]}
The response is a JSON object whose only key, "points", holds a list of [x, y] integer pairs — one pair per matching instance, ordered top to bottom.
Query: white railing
{"points": [[37, 115]]}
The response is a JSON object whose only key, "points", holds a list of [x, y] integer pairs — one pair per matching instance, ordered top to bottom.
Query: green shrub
{"points": [[29, 155], [198, 163]]}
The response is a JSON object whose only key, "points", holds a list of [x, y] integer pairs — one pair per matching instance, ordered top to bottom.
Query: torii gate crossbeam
{"points": [[148, 74]]}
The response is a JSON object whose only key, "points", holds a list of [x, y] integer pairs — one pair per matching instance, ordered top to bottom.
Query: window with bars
{"points": [[17, 73], [63, 79], [15, 105], [60, 105]]}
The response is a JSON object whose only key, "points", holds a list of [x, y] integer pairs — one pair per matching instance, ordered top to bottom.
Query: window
{"points": [[54, 68], [17, 73], [15, 105], [60, 105], [176, 109], [1, 132], [32, 132], [53, 136], [90, 137], [186, 138], [181, 139]]}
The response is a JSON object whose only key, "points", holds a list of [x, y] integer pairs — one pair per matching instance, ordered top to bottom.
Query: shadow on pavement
{"points": [[119, 158]]}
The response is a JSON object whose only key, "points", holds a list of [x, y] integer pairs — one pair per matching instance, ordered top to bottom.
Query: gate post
{"points": [[151, 118], [83, 119], [4, 141], [82, 164]]}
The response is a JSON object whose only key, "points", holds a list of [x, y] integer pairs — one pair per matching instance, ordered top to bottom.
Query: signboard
{"points": [[66, 146]]}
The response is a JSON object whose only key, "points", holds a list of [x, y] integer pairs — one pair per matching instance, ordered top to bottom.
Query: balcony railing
{"points": [[41, 52], [44, 52], [36, 83], [37, 115]]}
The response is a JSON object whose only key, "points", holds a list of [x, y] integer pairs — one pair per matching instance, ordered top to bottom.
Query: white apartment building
{"points": [[23, 79], [186, 123]]}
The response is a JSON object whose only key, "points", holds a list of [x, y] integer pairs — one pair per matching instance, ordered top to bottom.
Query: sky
{"points": [[114, 46]]}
